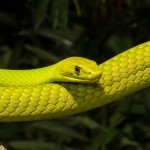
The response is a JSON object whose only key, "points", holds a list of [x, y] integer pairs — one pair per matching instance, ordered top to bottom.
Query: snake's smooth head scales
{"points": [[78, 70]]}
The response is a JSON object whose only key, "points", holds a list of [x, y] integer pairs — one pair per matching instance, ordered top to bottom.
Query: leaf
{"points": [[40, 13], [59, 14], [64, 14], [66, 38], [118, 43], [41, 53], [5, 55], [138, 109], [116, 119], [90, 123], [58, 128], [103, 139], [128, 142], [32, 145]]}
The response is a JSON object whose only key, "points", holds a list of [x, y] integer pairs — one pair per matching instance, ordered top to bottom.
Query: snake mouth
{"points": [[91, 79]]}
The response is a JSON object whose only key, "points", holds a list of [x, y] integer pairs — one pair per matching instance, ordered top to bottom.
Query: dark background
{"points": [[37, 33]]}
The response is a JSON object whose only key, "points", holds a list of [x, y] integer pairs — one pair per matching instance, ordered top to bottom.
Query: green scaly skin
{"points": [[122, 75]]}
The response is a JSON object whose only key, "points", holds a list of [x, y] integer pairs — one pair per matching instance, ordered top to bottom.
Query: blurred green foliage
{"points": [[36, 33]]}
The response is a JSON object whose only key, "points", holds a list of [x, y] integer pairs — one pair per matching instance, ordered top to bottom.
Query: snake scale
{"points": [[120, 76]]}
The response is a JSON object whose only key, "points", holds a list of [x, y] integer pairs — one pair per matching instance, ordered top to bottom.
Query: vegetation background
{"points": [[37, 33]]}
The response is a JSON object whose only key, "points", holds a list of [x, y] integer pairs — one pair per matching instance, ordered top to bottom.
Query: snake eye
{"points": [[77, 69]]}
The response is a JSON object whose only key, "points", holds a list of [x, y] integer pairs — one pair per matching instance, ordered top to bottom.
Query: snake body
{"points": [[122, 75]]}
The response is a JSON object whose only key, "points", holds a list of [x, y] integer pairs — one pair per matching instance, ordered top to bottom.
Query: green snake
{"points": [[49, 92]]}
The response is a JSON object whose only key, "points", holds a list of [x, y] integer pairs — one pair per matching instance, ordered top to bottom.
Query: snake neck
{"points": [[27, 77]]}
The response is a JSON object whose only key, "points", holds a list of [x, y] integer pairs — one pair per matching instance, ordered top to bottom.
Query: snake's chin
{"points": [[79, 80]]}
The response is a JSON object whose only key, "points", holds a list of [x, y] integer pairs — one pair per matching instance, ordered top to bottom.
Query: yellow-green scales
{"points": [[121, 76]]}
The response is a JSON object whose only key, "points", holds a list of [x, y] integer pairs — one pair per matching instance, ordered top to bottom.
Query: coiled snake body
{"points": [[122, 75]]}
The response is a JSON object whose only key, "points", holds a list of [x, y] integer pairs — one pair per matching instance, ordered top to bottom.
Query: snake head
{"points": [[78, 70]]}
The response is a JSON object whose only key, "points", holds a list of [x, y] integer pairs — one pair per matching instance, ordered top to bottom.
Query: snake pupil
{"points": [[77, 69]]}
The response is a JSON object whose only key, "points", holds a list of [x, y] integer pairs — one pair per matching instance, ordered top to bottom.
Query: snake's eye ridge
{"points": [[77, 69]]}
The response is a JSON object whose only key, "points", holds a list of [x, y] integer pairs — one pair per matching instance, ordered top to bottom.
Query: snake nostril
{"points": [[90, 73], [96, 75]]}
